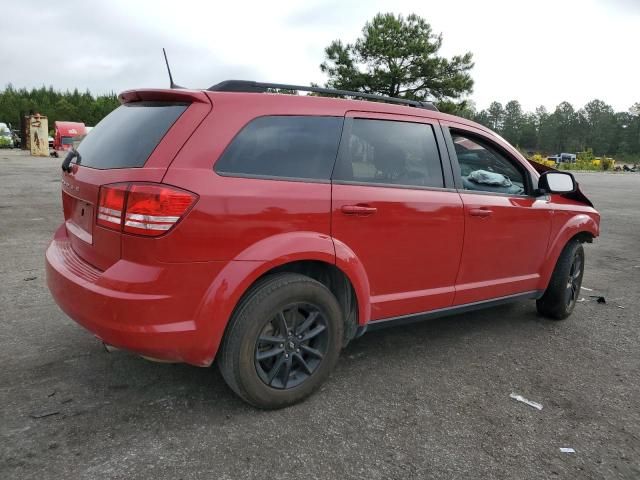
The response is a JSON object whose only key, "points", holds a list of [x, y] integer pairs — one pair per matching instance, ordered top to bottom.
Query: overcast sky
{"points": [[538, 52]]}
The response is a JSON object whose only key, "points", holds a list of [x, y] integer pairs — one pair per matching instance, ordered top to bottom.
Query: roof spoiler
{"points": [[249, 86], [163, 95]]}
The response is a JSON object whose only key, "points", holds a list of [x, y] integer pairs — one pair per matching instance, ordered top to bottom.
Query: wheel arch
{"points": [[580, 227], [306, 253], [331, 277]]}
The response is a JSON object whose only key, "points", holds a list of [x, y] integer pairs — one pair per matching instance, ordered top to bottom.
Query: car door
{"points": [[395, 207], [506, 227]]}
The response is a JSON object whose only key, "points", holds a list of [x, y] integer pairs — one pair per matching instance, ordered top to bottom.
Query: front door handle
{"points": [[360, 210], [480, 212]]}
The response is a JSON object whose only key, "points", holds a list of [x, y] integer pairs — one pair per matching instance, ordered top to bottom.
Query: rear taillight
{"points": [[111, 204], [142, 208]]}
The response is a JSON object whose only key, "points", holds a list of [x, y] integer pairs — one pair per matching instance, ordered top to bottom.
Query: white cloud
{"points": [[540, 52]]}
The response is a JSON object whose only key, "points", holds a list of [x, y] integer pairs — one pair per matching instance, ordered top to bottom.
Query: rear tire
{"points": [[561, 295], [282, 341]]}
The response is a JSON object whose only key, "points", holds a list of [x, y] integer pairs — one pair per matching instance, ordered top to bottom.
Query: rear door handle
{"points": [[361, 210], [480, 212]]}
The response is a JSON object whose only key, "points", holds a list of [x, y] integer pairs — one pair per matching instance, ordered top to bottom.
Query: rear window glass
{"points": [[126, 137], [284, 147]]}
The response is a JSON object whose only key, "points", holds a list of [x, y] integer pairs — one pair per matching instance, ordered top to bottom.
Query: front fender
{"points": [[566, 225], [240, 273]]}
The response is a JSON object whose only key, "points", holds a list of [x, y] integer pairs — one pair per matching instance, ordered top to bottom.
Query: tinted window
{"points": [[126, 137], [284, 146], [382, 151], [485, 169]]}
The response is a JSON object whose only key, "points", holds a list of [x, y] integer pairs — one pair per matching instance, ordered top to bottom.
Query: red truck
{"points": [[65, 133]]}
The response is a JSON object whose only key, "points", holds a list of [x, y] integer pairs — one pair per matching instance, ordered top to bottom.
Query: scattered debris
{"points": [[28, 279], [587, 289], [582, 299], [600, 299], [620, 306], [52, 393], [520, 398], [67, 400], [44, 414], [567, 450]]}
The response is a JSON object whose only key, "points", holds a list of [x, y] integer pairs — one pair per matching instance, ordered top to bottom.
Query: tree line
{"points": [[55, 105], [595, 126]]}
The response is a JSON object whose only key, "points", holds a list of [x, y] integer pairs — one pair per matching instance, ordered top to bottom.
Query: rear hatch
{"points": [[135, 143]]}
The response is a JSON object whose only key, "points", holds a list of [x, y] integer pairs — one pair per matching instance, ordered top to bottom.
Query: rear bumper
{"points": [[151, 310]]}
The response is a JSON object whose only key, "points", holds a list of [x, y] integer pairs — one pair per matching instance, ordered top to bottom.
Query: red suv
{"points": [[269, 230]]}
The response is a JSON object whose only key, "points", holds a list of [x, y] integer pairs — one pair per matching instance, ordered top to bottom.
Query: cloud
{"points": [[622, 6], [329, 14], [96, 47], [539, 52]]}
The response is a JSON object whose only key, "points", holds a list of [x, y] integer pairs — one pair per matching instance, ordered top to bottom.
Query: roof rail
{"points": [[261, 87]]}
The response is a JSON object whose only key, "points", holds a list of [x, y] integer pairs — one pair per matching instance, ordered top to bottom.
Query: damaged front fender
{"points": [[577, 195]]}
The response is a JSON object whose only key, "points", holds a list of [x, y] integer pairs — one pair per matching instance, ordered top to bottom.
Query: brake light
{"points": [[110, 205], [142, 208], [154, 209]]}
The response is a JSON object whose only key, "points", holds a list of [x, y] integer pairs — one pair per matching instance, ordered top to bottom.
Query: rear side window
{"points": [[126, 137], [284, 147], [390, 152]]}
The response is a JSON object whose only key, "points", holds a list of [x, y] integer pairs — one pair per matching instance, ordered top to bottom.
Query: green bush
{"points": [[5, 142], [580, 165]]}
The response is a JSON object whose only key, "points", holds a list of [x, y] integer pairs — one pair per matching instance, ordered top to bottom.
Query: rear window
{"points": [[126, 137], [284, 147]]}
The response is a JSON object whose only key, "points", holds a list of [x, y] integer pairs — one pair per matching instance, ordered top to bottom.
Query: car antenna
{"points": [[171, 84]]}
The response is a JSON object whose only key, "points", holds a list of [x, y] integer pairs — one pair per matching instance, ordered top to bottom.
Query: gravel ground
{"points": [[426, 401]]}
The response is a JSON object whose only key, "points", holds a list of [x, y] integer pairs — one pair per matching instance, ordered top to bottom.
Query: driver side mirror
{"points": [[556, 182]]}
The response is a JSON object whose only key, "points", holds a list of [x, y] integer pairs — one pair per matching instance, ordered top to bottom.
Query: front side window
{"points": [[284, 147], [390, 152], [485, 169]]}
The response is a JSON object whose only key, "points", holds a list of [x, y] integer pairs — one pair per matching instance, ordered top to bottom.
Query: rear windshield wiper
{"points": [[66, 165]]}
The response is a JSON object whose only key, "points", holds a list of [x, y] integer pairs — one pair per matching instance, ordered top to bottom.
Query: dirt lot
{"points": [[427, 401]]}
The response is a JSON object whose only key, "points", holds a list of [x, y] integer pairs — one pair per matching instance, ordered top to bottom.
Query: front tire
{"points": [[561, 295], [282, 341]]}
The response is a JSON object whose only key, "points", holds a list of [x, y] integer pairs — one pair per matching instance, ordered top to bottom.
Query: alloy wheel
{"points": [[574, 281], [291, 345]]}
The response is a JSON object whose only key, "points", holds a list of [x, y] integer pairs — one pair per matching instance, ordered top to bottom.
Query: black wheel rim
{"points": [[574, 281], [291, 346]]}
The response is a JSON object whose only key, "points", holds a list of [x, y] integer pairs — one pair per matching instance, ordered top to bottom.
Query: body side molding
{"points": [[444, 312]]}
